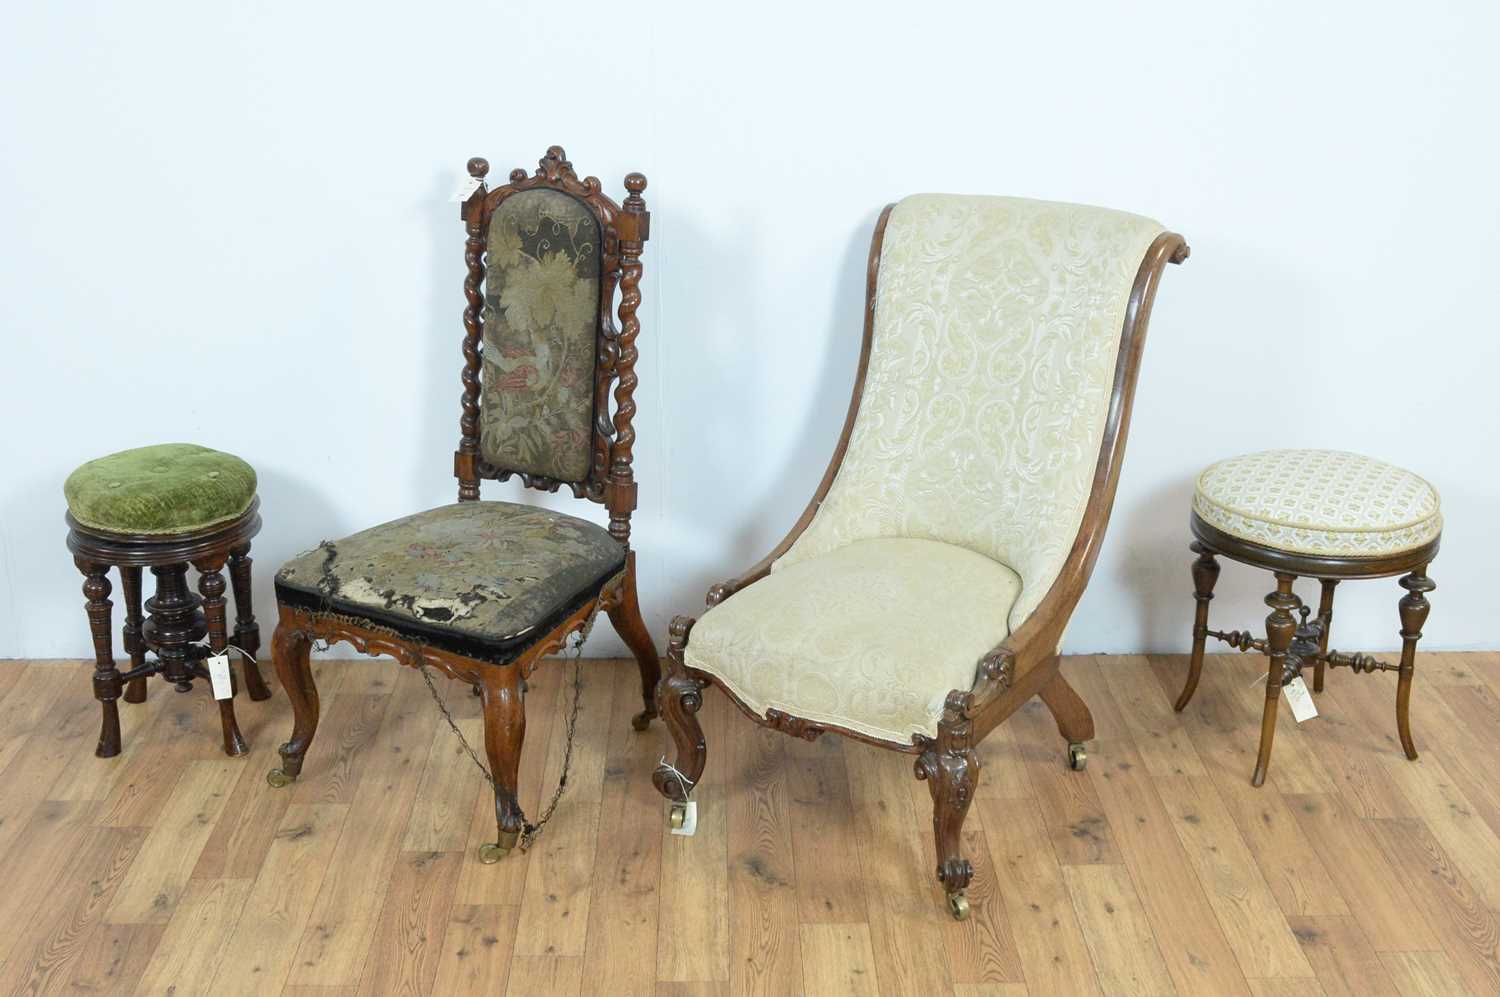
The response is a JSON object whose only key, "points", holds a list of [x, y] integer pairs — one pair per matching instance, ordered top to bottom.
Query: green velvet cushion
{"points": [[541, 322], [170, 488], [478, 578]]}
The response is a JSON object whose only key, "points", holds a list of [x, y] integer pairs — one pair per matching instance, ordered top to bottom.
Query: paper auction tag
{"points": [[466, 189], [218, 674], [1299, 699], [690, 820]]}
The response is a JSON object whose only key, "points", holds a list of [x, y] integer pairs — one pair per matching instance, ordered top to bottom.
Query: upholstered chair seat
{"points": [[171, 488], [1321, 502], [483, 579], [869, 637]]}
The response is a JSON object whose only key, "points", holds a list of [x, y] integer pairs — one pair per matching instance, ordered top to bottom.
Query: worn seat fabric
{"points": [[164, 489], [1320, 502], [483, 579], [870, 636]]}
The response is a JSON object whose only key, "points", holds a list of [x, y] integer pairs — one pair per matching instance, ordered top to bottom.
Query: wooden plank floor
{"points": [[1158, 870]]}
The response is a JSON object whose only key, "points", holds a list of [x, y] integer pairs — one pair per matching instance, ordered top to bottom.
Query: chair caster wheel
{"points": [[643, 719], [1077, 757], [279, 779], [678, 817], [493, 851], [958, 906]]}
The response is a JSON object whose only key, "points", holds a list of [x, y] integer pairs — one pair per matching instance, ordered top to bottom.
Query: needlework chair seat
{"points": [[482, 579], [868, 637]]}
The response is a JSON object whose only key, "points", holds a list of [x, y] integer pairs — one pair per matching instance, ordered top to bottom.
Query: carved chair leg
{"points": [[1205, 574], [211, 588], [1414, 608], [1325, 616], [626, 617], [1281, 626], [246, 630], [135, 644], [289, 652], [107, 685], [500, 691], [680, 696], [1074, 721], [950, 767]]}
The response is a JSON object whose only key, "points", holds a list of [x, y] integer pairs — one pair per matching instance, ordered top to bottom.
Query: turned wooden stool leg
{"points": [[1205, 574], [211, 587], [1414, 608], [1325, 616], [1281, 626], [246, 630], [135, 645], [106, 676]]}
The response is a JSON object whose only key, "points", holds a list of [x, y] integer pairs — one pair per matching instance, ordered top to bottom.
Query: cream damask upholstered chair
{"points": [[921, 597]]}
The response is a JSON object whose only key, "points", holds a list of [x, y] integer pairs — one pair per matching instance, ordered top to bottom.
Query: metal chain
{"points": [[529, 831]]}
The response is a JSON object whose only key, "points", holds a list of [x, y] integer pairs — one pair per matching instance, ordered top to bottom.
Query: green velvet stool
{"points": [[163, 508]]}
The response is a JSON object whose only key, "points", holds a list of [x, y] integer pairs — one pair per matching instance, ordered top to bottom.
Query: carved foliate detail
{"points": [[795, 726]]}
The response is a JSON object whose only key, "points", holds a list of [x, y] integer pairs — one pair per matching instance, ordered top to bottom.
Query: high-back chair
{"points": [[481, 591], [922, 596]]}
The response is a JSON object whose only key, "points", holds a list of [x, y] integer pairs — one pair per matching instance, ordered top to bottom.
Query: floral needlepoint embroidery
{"points": [[541, 316]]}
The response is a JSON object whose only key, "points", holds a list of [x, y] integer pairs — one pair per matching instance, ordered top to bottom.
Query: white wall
{"points": [[228, 223]]}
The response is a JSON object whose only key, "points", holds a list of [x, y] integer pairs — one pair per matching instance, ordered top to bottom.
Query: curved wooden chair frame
{"points": [[610, 481], [1025, 664]]}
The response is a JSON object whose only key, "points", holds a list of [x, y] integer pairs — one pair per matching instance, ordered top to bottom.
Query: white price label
{"points": [[466, 189], [218, 674], [1299, 699], [689, 820]]}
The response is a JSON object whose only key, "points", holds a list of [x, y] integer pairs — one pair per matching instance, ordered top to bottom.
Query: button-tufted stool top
{"points": [[165, 489], [1321, 502]]}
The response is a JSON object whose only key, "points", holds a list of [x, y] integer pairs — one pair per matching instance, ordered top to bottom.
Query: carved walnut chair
{"points": [[481, 591], [921, 597]]}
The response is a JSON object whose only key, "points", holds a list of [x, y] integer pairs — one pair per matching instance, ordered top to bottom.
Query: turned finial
{"points": [[479, 167], [635, 182]]}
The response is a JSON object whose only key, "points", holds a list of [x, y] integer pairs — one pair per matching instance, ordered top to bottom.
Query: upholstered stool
{"points": [[165, 507], [1322, 514]]}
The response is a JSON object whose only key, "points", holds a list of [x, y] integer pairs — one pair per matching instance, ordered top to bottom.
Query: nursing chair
{"points": [[482, 591], [921, 597]]}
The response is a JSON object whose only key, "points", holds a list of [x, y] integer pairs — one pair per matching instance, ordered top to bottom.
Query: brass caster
{"points": [[1077, 757], [279, 779], [679, 816], [490, 853], [958, 906]]}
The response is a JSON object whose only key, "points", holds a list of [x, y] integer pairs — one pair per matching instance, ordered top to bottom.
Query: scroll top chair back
{"points": [[546, 254], [995, 348]]}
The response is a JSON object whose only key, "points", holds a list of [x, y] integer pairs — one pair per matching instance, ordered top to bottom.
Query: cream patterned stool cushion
{"points": [[1321, 502]]}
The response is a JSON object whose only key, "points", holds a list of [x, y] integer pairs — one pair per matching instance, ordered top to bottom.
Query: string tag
{"points": [[466, 190], [218, 674], [1299, 699], [689, 819]]}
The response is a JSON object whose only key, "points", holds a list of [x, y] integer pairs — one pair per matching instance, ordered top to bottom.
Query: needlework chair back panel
{"points": [[544, 256], [997, 331]]}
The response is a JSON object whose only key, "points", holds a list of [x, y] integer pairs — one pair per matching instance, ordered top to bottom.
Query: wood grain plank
{"points": [[347, 731], [1161, 736], [444, 807], [1071, 810], [822, 824], [150, 891], [274, 916], [196, 939], [1120, 939], [408, 942], [1049, 942], [477, 949], [620, 954], [1342, 957], [838, 960], [1424, 974], [546, 976]]}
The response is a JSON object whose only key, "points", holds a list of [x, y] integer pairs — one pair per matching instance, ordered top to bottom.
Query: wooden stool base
{"points": [[176, 620], [1291, 644]]}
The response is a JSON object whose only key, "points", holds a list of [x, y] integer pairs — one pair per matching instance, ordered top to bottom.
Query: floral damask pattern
{"points": [[541, 318], [997, 329], [1319, 502], [489, 570], [869, 637]]}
